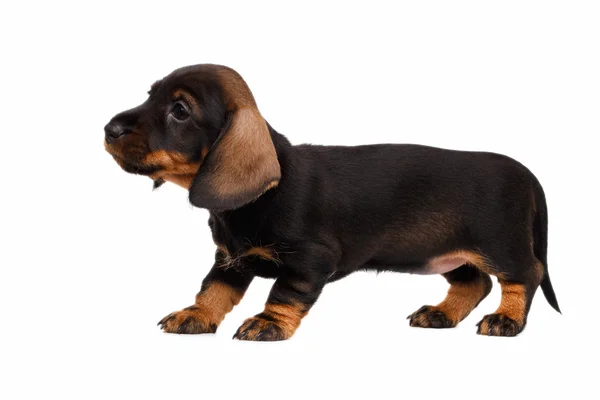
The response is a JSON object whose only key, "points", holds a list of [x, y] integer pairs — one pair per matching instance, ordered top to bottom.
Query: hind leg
{"points": [[468, 286], [517, 294]]}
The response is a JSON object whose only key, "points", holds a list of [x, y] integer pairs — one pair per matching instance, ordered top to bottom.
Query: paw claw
{"points": [[166, 319], [187, 321], [184, 325], [261, 329], [239, 335]]}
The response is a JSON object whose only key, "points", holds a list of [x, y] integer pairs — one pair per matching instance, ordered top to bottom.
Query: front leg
{"points": [[221, 290], [291, 297]]}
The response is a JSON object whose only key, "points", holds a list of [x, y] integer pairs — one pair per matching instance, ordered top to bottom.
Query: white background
{"points": [[91, 259]]}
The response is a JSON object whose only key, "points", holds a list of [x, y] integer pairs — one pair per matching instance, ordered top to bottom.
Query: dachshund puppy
{"points": [[309, 215]]}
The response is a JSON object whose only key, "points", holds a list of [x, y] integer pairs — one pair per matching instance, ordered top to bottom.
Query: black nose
{"points": [[114, 131]]}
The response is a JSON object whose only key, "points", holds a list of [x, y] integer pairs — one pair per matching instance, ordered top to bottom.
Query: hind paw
{"points": [[499, 325]]}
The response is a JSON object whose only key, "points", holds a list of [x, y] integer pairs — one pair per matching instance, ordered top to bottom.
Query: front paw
{"points": [[430, 317], [190, 320], [262, 328]]}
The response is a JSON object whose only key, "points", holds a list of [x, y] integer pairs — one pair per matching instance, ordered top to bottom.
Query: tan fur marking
{"points": [[204, 152], [176, 168], [271, 185], [265, 253], [462, 298], [217, 300], [513, 302], [212, 304], [288, 316], [483, 327]]}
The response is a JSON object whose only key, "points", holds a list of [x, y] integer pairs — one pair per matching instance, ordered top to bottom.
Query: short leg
{"points": [[519, 283], [468, 287], [221, 290], [290, 299], [287, 304], [510, 318]]}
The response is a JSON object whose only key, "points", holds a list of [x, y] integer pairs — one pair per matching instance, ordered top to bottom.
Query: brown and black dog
{"points": [[308, 215]]}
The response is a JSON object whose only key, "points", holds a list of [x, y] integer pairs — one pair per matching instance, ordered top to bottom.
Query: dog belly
{"points": [[441, 265], [433, 266]]}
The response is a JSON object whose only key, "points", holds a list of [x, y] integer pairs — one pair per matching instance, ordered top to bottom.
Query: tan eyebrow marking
{"points": [[189, 99]]}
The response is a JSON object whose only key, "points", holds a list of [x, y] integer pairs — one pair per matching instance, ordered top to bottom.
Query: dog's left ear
{"points": [[240, 167]]}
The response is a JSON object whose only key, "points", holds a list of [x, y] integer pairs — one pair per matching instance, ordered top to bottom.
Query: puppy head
{"points": [[199, 128]]}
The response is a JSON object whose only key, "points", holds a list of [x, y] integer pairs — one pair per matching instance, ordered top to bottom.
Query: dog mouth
{"points": [[131, 163], [159, 165], [134, 167]]}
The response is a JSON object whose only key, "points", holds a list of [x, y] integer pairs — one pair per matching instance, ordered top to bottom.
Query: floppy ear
{"points": [[240, 167]]}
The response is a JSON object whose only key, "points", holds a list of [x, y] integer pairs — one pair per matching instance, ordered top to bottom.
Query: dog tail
{"points": [[540, 242]]}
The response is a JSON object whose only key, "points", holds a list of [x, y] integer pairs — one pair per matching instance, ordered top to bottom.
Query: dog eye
{"points": [[179, 112]]}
